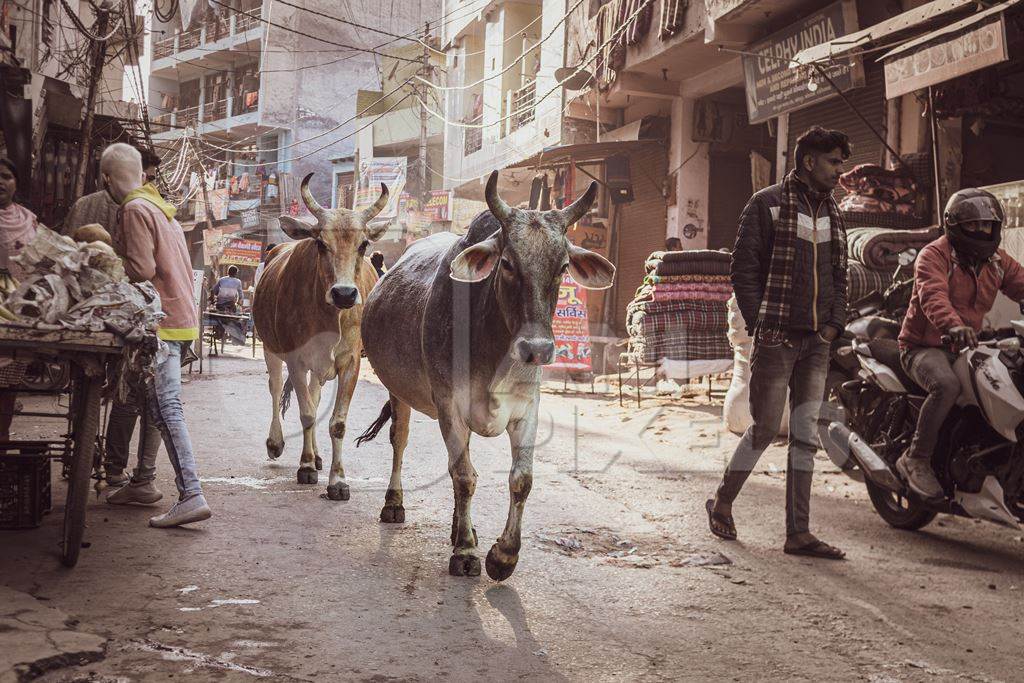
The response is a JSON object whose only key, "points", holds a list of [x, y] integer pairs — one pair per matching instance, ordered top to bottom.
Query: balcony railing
{"points": [[247, 21], [211, 31], [189, 39], [246, 103], [521, 106], [215, 110], [473, 138]]}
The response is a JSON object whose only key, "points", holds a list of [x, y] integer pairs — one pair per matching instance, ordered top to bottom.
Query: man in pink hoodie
{"points": [[154, 249]]}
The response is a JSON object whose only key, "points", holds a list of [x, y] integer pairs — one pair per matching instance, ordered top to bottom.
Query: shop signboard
{"points": [[957, 54], [773, 87], [390, 171], [251, 217], [213, 244], [241, 252], [571, 328]]}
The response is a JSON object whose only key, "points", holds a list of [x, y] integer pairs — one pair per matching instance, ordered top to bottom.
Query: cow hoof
{"points": [[274, 450], [319, 463], [306, 476], [339, 491], [393, 514], [464, 565], [497, 568]]}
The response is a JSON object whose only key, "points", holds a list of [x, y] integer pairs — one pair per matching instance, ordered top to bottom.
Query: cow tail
{"points": [[286, 395], [371, 433]]}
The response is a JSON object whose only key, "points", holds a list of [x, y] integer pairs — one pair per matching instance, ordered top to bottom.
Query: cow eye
{"points": [[507, 265], [565, 268]]}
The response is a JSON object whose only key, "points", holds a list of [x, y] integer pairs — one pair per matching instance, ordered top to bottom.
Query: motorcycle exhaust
{"points": [[849, 444]]}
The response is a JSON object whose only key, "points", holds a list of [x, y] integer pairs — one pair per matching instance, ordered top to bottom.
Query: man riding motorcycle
{"points": [[957, 278]]}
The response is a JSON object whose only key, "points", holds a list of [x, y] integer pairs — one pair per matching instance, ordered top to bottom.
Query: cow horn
{"points": [[311, 203], [497, 205], [580, 207], [370, 212]]}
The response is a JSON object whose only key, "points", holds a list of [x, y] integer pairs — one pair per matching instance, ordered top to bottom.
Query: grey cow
{"points": [[459, 329]]}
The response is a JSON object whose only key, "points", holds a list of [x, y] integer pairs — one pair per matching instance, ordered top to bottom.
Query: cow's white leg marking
{"points": [[347, 368], [315, 389], [307, 415], [275, 440], [393, 511], [503, 555], [464, 561]]}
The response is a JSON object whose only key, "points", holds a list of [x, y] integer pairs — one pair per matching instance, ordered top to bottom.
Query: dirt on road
{"points": [[618, 577]]}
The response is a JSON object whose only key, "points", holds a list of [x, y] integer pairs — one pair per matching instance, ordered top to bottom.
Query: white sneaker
{"points": [[144, 493], [186, 511]]}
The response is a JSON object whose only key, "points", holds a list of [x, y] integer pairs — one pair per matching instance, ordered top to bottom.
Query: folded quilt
{"points": [[879, 248], [688, 267], [655, 279], [862, 280]]}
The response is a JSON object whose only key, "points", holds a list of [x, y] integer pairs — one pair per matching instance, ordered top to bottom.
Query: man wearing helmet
{"points": [[956, 279]]}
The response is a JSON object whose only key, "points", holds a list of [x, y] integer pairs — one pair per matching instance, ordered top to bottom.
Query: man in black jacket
{"points": [[789, 276]]}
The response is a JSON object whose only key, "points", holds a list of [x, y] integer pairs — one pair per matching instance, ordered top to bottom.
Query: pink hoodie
{"points": [[154, 249]]}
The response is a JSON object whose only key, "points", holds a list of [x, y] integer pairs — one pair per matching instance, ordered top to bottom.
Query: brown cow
{"points": [[307, 309]]}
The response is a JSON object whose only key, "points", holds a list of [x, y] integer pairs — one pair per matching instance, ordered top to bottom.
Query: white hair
{"points": [[122, 166]]}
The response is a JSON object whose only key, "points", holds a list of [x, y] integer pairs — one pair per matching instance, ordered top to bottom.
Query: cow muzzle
{"points": [[344, 297], [534, 351]]}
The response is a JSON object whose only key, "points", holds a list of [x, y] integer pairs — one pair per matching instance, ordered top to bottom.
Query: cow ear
{"points": [[298, 230], [375, 232], [477, 262], [590, 270]]}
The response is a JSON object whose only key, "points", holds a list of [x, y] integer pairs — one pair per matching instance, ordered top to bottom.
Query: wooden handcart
{"points": [[87, 354]]}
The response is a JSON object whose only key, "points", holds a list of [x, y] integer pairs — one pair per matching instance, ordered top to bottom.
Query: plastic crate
{"points": [[25, 490]]}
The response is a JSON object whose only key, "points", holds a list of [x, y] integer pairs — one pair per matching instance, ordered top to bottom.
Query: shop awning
{"points": [[901, 22], [973, 43], [586, 153]]}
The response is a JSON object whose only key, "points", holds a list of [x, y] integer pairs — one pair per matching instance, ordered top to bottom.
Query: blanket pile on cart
{"points": [[83, 287], [679, 312]]}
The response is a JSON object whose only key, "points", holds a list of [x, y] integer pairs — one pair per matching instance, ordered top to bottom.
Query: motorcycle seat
{"points": [[887, 351]]}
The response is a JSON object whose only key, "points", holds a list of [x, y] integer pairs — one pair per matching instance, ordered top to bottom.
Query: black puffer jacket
{"points": [[819, 290]]}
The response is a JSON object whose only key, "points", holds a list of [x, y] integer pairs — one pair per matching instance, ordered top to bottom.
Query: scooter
{"points": [[980, 458]]}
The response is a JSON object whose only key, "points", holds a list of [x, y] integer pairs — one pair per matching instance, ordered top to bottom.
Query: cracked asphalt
{"points": [[618, 577]]}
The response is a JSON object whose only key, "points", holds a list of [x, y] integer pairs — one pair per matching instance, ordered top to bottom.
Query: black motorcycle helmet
{"points": [[966, 206]]}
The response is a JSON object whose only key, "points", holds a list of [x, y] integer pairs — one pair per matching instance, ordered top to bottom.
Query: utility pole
{"points": [[99, 56], [425, 75]]}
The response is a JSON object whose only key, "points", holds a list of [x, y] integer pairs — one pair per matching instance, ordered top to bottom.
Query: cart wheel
{"points": [[87, 419]]}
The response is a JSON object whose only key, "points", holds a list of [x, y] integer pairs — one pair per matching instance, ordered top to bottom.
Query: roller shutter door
{"points": [[836, 114], [642, 227]]}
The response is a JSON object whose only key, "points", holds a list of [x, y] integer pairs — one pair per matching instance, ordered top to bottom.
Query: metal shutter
{"points": [[836, 114], [642, 226]]}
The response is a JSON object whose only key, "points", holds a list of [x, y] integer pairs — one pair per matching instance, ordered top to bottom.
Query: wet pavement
{"points": [[618, 577]]}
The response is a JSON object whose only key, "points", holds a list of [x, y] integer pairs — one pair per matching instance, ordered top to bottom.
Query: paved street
{"points": [[286, 585]]}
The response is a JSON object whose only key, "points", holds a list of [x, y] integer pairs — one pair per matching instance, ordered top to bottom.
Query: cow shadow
{"points": [[454, 609]]}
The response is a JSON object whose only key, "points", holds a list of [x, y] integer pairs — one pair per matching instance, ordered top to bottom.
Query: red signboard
{"points": [[239, 252], [571, 327]]}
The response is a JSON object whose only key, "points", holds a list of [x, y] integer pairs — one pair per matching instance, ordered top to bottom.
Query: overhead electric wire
{"points": [[355, 24], [81, 27], [303, 33], [518, 59]]}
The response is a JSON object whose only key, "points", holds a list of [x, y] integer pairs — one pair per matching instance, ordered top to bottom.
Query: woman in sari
{"points": [[18, 227]]}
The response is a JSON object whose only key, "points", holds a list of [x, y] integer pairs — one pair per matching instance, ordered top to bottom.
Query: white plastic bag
{"points": [[736, 413]]}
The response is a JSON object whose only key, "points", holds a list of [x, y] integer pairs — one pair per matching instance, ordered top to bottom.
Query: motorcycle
{"points": [[980, 457]]}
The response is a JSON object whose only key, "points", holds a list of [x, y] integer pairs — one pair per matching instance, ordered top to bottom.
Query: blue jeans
{"points": [[799, 365], [168, 416]]}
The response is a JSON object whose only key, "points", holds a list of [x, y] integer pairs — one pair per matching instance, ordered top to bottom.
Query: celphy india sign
{"points": [[774, 88]]}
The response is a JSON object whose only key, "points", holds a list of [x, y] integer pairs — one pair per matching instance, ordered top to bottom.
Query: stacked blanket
{"points": [[873, 189], [880, 248], [875, 256], [680, 311]]}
